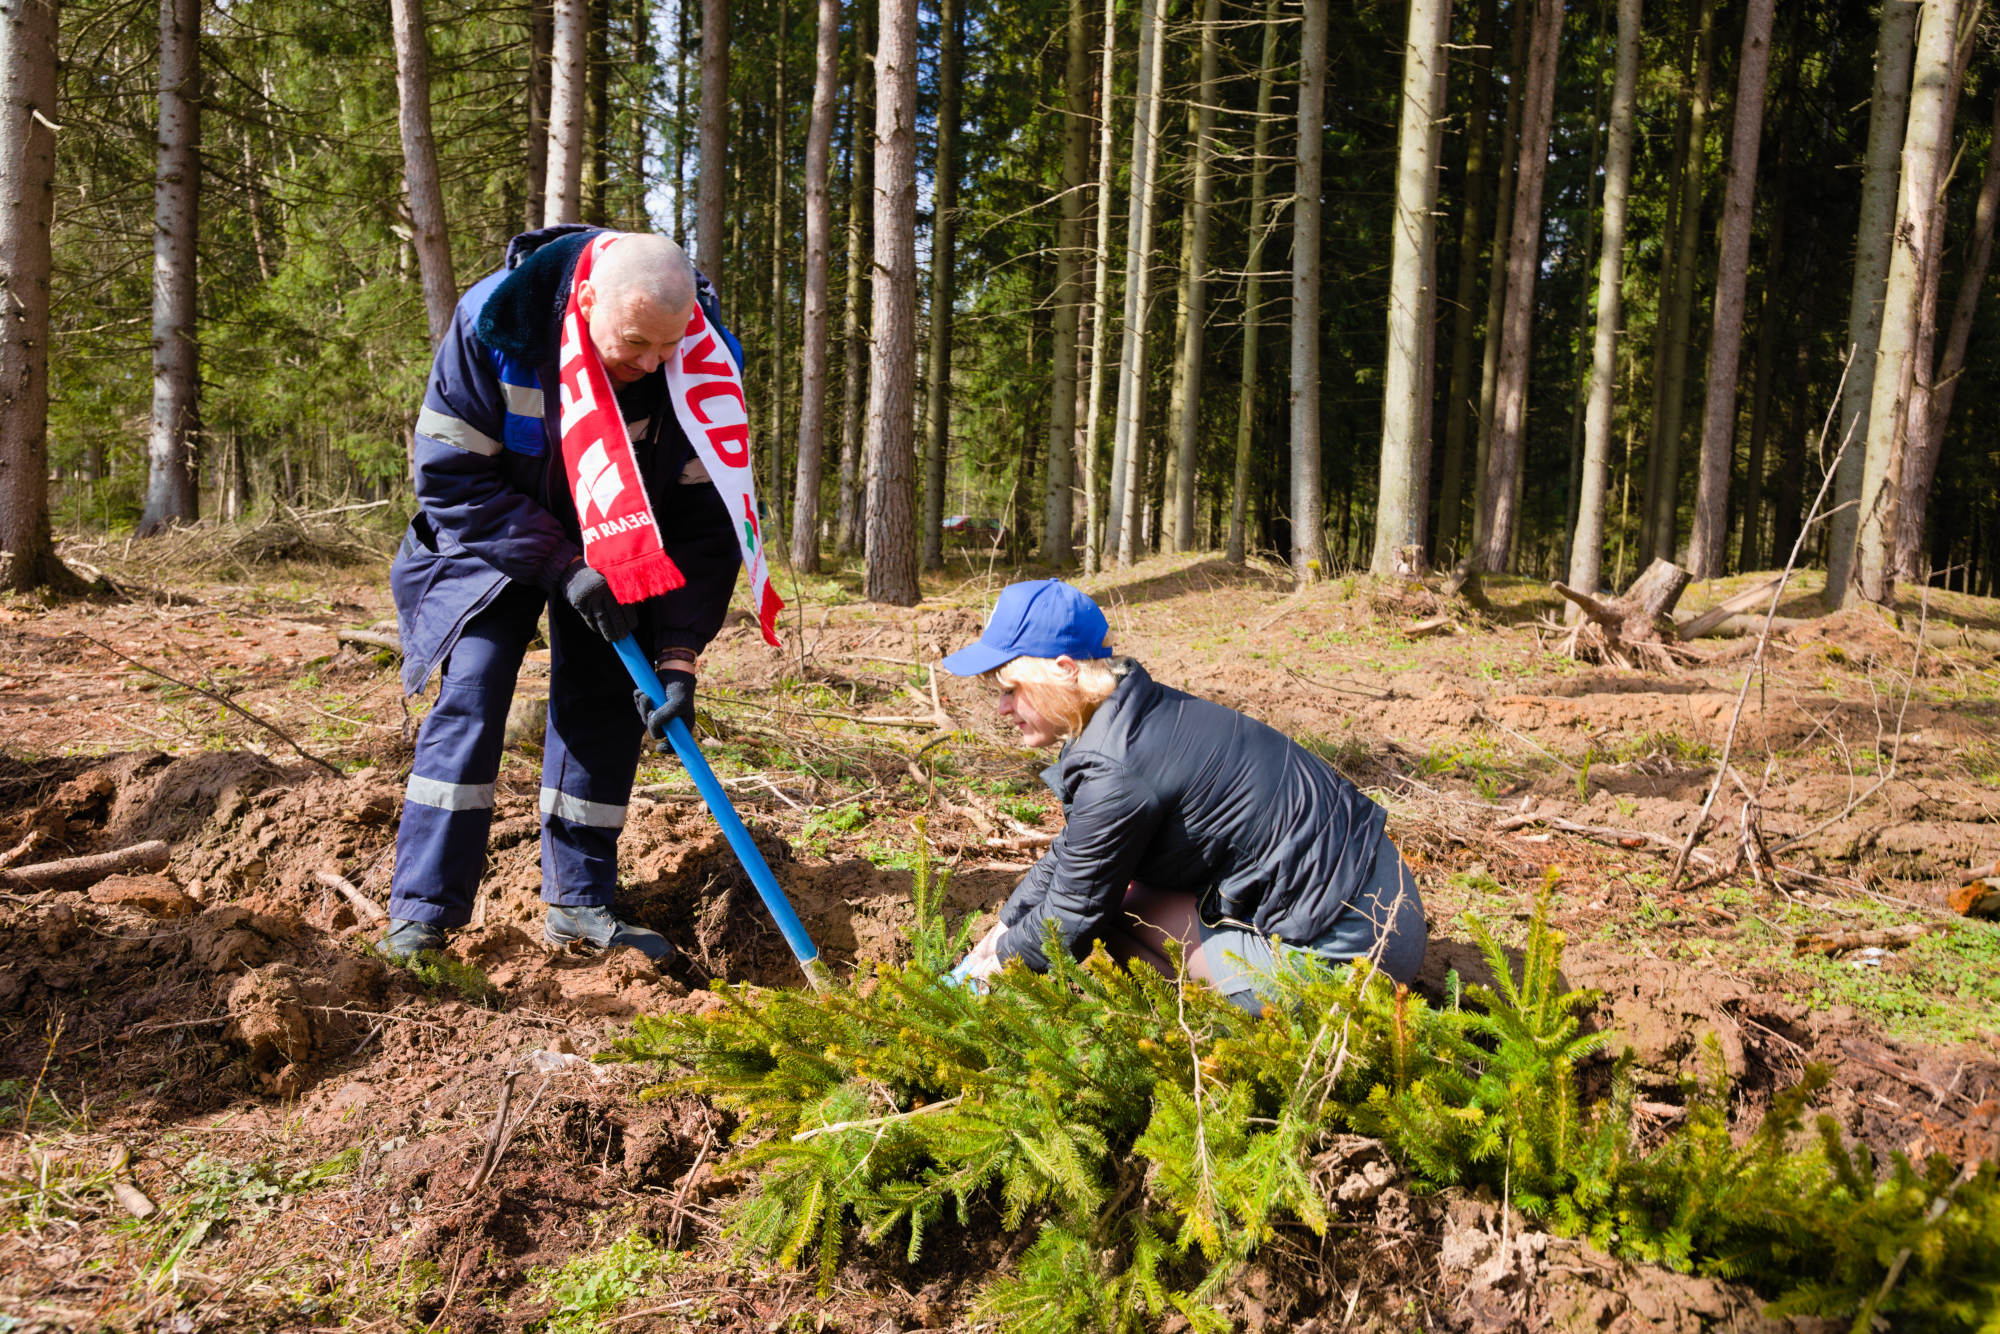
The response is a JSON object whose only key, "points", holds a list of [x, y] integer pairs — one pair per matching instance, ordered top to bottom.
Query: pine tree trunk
{"points": [[1519, 25], [541, 36], [570, 50], [640, 56], [597, 114], [1888, 115], [680, 124], [420, 169], [27, 196], [1472, 220], [710, 225], [1670, 260], [1910, 261], [1253, 286], [944, 288], [1068, 294], [777, 318], [1100, 321], [853, 329], [812, 348], [1762, 368], [1510, 399], [1930, 408], [1188, 410], [1128, 468], [170, 487], [1665, 497], [1401, 500], [892, 537], [1708, 541], [1586, 555], [1309, 558]]}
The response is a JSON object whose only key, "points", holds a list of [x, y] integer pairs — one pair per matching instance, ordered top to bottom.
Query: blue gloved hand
{"points": [[588, 592], [679, 704], [962, 976]]}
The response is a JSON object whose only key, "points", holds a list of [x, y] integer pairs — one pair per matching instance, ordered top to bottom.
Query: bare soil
{"points": [[312, 1124]]}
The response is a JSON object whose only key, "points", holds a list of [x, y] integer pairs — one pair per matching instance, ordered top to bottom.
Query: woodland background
{"points": [[1334, 281]]}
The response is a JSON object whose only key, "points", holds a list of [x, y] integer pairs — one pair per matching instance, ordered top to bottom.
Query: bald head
{"points": [[642, 264], [637, 301]]}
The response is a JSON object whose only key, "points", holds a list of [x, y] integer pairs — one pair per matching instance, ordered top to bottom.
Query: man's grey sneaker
{"points": [[596, 928], [407, 939]]}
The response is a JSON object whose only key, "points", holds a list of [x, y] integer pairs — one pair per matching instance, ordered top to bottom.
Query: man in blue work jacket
{"points": [[495, 540]]}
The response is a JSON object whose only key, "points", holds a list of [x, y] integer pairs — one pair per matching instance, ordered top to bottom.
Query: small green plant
{"points": [[1346, 754], [822, 827], [440, 972], [1153, 1135], [586, 1288]]}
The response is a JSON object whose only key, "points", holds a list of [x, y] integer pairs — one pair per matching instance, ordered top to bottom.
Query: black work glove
{"points": [[591, 596], [679, 704]]}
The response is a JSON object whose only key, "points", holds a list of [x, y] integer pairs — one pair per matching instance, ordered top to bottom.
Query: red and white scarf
{"points": [[620, 538]]}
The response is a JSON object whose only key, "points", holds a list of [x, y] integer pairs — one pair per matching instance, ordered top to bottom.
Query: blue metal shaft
{"points": [[719, 806]]}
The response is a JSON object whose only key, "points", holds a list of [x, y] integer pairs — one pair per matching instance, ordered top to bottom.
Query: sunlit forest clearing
{"points": [[1564, 421]]}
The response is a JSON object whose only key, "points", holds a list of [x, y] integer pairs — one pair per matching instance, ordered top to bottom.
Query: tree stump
{"points": [[1643, 615]]}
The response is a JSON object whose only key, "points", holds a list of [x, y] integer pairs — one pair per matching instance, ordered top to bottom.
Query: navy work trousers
{"points": [[590, 753]]}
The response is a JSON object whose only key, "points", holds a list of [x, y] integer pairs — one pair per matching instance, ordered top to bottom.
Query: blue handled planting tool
{"points": [[719, 806]]}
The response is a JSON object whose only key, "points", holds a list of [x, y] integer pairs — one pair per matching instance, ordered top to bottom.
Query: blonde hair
{"points": [[1067, 700]]}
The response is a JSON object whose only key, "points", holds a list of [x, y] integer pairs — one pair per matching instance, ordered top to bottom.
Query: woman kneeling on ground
{"points": [[1186, 819]]}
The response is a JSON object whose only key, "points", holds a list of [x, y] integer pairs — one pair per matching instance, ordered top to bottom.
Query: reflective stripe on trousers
{"points": [[590, 753]]}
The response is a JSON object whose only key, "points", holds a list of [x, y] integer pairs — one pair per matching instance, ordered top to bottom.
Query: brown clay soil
{"points": [[316, 1130]]}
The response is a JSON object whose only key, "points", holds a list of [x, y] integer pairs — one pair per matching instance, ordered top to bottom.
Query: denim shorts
{"points": [[1386, 908]]}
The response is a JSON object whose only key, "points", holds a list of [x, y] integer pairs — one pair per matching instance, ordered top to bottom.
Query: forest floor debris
{"points": [[309, 1123]]}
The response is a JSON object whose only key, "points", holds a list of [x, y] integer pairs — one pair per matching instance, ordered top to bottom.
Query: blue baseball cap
{"points": [[1043, 618]]}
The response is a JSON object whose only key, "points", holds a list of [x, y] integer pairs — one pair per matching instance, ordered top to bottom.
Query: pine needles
{"points": [[1153, 1135]]}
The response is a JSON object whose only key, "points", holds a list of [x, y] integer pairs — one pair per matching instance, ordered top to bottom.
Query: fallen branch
{"points": [[1722, 611], [387, 639], [221, 699], [1624, 838], [83, 872], [362, 903], [1888, 938], [496, 1137]]}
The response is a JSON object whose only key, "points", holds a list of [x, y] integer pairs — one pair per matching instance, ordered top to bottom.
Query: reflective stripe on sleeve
{"points": [[522, 400], [455, 432], [450, 796], [597, 814]]}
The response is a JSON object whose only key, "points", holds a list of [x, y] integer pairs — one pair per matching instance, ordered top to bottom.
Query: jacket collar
{"points": [[522, 319]]}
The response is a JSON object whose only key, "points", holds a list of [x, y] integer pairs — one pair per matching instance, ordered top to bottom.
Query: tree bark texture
{"points": [[1519, 24], [541, 39], [569, 52], [596, 115], [1888, 116], [420, 166], [27, 196], [1471, 222], [710, 226], [1259, 228], [1910, 262], [1196, 278], [1663, 284], [944, 288], [1678, 320], [1100, 322], [853, 330], [812, 344], [1937, 377], [777, 383], [1510, 399], [1931, 412], [1127, 470], [170, 487], [1401, 508], [1056, 518], [892, 537], [1708, 540], [1586, 555], [1309, 558]]}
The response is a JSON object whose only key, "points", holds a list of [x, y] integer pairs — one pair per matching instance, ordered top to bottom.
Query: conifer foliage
{"points": [[1153, 1135]]}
